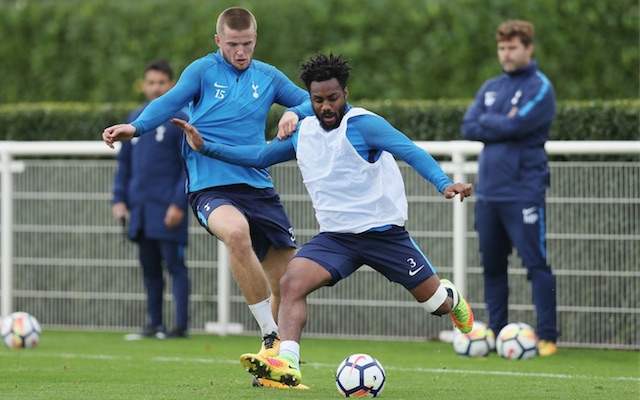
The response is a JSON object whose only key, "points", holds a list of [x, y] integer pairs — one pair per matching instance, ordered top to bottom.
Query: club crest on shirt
{"points": [[516, 97], [489, 98]]}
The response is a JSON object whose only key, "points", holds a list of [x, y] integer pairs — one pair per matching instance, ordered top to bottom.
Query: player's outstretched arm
{"points": [[115, 133], [256, 156], [463, 189]]}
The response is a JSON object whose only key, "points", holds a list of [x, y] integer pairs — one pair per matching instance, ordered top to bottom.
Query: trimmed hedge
{"points": [[418, 119], [60, 121]]}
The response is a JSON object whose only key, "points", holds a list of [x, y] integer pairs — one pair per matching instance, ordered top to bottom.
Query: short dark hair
{"points": [[516, 28], [160, 65], [321, 68]]}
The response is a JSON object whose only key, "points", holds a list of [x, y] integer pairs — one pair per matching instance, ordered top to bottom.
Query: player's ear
{"points": [[530, 50], [346, 92]]}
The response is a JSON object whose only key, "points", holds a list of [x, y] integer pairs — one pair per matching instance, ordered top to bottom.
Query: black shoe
{"points": [[178, 333]]}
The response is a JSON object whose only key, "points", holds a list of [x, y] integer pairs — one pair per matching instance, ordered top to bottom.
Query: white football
{"points": [[20, 330], [517, 341], [477, 343], [360, 375]]}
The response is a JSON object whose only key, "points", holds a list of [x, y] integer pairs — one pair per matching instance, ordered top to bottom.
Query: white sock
{"points": [[262, 313], [291, 348]]}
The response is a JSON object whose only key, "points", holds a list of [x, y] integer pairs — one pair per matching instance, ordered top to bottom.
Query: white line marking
{"points": [[325, 365], [418, 369]]}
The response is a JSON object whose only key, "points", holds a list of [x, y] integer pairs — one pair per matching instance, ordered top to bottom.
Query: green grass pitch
{"points": [[102, 365]]}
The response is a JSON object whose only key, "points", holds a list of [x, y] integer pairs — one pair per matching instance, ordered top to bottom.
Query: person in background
{"points": [[230, 95], [512, 115], [346, 157], [148, 192]]}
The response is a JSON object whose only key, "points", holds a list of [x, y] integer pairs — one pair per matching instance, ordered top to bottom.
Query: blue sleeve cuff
{"points": [[137, 134]]}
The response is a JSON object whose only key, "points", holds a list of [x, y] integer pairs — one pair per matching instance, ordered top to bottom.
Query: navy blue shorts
{"points": [[269, 224], [392, 252]]}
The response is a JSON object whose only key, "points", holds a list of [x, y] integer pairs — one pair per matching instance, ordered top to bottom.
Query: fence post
{"points": [[459, 224], [6, 275]]}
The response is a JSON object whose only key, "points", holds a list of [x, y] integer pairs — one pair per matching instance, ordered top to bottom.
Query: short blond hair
{"points": [[236, 18], [516, 28]]}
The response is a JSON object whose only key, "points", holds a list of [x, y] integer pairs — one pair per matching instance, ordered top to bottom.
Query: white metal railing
{"points": [[10, 149], [460, 167]]}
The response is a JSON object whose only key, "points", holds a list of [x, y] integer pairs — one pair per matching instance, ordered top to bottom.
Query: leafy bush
{"points": [[79, 50], [418, 119]]}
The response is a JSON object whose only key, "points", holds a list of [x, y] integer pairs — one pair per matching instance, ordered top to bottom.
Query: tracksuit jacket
{"points": [[513, 164], [150, 177]]}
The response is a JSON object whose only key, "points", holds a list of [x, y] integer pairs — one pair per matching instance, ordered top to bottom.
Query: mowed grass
{"points": [[102, 365]]}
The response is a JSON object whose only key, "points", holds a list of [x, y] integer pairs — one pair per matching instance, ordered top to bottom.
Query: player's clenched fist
{"points": [[115, 133]]}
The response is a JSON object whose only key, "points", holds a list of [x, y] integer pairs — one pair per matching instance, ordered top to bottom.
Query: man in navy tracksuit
{"points": [[512, 114], [149, 191]]}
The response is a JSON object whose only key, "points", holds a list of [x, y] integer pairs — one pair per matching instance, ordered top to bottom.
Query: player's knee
{"points": [[237, 239], [288, 284], [440, 303]]}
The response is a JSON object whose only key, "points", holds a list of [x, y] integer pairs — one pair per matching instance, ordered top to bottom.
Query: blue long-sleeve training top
{"points": [[227, 106], [369, 135]]}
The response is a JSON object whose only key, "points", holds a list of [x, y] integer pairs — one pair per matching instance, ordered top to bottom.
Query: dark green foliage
{"points": [[80, 50], [418, 119], [598, 120], [60, 121]]}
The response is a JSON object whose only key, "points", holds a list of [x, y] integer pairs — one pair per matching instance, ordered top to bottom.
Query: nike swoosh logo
{"points": [[216, 84], [527, 211], [412, 272], [355, 362]]}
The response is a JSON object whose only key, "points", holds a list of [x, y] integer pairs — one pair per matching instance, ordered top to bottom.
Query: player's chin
{"points": [[242, 65], [329, 124]]}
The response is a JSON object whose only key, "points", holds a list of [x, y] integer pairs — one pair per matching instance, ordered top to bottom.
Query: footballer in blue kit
{"points": [[229, 95]]}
